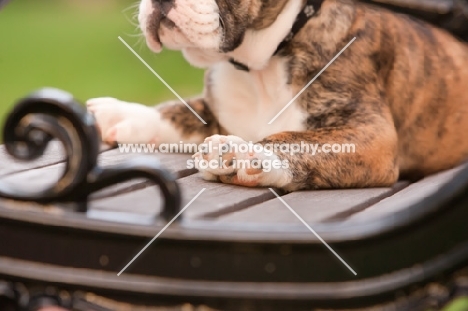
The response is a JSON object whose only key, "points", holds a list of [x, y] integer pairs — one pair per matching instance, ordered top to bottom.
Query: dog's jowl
{"points": [[398, 94]]}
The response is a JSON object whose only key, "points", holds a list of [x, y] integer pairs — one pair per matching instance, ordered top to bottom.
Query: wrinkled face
{"points": [[217, 25]]}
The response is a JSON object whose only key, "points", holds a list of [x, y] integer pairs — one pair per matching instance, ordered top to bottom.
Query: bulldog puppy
{"points": [[399, 92]]}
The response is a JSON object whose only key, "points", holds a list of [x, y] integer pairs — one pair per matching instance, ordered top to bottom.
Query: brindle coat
{"points": [[399, 93]]}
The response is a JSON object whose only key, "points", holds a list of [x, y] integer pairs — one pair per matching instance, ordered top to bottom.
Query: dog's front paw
{"points": [[124, 122], [232, 160]]}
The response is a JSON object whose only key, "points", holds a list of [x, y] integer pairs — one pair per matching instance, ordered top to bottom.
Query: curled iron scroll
{"points": [[51, 114]]}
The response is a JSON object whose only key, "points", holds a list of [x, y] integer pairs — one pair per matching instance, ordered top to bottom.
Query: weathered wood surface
{"points": [[54, 154], [8, 165], [43, 176], [410, 195], [218, 199], [140, 201], [314, 206]]}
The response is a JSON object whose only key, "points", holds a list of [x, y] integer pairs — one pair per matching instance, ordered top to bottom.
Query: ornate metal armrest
{"points": [[53, 114]]}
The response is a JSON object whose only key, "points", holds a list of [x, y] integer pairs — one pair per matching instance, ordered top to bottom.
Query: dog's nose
{"points": [[162, 1], [165, 4]]}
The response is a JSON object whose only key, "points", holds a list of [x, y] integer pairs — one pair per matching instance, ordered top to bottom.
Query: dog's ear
{"points": [[268, 13], [236, 16], [232, 40]]}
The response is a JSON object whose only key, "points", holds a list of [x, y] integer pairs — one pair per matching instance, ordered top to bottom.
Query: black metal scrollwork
{"points": [[54, 114]]}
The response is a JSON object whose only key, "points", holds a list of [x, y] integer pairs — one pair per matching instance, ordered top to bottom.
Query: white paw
{"points": [[124, 122], [214, 154], [232, 160]]}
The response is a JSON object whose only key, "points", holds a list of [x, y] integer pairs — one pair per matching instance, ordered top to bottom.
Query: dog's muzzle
{"points": [[180, 24]]}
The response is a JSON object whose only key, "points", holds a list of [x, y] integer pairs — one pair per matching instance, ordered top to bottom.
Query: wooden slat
{"points": [[52, 155], [174, 162], [8, 165], [42, 177], [409, 196], [138, 200], [216, 200], [312, 206]]}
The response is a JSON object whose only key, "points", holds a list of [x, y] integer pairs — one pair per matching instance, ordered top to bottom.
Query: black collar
{"points": [[310, 9]]}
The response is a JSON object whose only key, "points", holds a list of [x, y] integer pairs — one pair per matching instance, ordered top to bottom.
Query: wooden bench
{"points": [[233, 247]]}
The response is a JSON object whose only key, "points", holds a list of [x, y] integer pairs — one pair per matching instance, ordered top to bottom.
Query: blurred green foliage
{"points": [[73, 45], [460, 304]]}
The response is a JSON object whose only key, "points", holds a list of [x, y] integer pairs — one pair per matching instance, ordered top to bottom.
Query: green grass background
{"points": [[73, 45]]}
